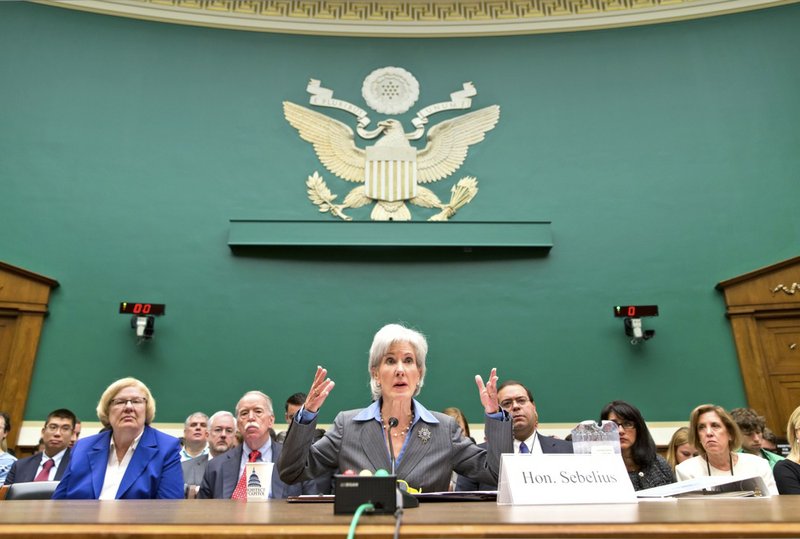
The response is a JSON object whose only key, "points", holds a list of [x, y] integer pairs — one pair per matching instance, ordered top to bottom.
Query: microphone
{"points": [[393, 422]]}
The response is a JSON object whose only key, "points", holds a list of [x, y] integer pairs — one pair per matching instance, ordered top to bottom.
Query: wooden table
{"points": [[201, 519]]}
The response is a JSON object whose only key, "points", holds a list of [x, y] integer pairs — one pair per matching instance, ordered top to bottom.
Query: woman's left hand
{"points": [[488, 392]]}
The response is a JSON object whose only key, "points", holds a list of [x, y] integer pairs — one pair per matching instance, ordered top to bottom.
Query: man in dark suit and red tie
{"points": [[517, 401], [49, 465], [224, 477]]}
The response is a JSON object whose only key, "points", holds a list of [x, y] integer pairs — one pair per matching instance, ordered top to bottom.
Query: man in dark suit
{"points": [[517, 401], [221, 438], [50, 464], [224, 474]]}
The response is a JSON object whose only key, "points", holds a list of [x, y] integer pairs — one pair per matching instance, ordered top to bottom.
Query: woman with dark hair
{"points": [[646, 468]]}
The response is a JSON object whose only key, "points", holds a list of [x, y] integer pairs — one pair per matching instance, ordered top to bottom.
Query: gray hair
{"points": [[385, 338], [260, 394], [196, 414], [217, 415]]}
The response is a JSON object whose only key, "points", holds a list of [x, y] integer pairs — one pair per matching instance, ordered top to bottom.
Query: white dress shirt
{"points": [[56, 463], [115, 470]]}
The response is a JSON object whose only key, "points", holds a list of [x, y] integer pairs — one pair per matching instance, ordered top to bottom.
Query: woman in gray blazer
{"points": [[396, 432]]}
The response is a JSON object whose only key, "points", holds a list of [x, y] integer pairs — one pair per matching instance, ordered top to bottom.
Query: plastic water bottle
{"points": [[589, 438]]}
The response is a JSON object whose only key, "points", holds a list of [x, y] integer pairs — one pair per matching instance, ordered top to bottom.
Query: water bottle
{"points": [[589, 438]]}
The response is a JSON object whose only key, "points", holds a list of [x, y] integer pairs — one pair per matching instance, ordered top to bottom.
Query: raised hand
{"points": [[320, 390], [488, 392]]}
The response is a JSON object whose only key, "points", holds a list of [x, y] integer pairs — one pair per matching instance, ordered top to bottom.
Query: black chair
{"points": [[35, 490]]}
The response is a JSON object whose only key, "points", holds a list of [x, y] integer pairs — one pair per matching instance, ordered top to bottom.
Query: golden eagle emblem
{"points": [[391, 170]]}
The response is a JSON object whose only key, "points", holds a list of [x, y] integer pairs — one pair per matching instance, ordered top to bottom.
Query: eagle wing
{"points": [[333, 141], [448, 142]]}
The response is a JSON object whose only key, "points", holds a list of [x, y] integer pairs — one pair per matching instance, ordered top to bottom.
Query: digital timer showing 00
{"points": [[153, 309]]}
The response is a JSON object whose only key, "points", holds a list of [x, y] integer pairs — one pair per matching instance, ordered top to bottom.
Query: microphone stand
{"points": [[392, 424], [404, 499]]}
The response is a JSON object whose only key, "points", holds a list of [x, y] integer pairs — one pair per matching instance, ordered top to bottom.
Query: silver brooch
{"points": [[424, 435]]}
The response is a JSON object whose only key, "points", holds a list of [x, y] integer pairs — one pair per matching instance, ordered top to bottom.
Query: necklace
{"points": [[400, 432], [708, 465]]}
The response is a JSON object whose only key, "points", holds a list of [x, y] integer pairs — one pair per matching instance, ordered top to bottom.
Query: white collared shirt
{"points": [[533, 444], [265, 450], [56, 463], [115, 470]]}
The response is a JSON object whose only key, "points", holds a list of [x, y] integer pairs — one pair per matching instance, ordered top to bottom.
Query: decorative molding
{"points": [[415, 18], [789, 291]]}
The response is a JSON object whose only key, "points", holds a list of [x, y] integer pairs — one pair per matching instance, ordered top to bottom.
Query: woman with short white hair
{"points": [[396, 430]]}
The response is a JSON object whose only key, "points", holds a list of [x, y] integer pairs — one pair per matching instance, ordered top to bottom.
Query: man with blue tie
{"points": [[517, 401], [49, 465]]}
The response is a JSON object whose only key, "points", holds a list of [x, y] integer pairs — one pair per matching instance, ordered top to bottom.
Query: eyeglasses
{"points": [[135, 401], [508, 403], [258, 412], [627, 425], [52, 427], [220, 430]]}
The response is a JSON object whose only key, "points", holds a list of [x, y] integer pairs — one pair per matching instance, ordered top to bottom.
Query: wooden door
{"points": [[24, 297], [764, 310], [779, 339]]}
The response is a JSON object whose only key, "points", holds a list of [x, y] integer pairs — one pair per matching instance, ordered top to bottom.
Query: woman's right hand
{"points": [[319, 391]]}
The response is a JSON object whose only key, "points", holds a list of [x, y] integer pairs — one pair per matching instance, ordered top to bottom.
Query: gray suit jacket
{"points": [[549, 445], [434, 450], [194, 470], [222, 474]]}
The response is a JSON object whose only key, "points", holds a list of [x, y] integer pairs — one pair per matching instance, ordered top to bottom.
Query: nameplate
{"points": [[563, 479]]}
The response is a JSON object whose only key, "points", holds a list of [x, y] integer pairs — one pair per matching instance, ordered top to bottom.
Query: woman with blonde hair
{"points": [[716, 436], [679, 448], [129, 459], [787, 471]]}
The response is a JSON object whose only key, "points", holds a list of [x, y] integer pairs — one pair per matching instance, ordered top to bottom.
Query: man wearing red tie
{"points": [[50, 464], [225, 475]]}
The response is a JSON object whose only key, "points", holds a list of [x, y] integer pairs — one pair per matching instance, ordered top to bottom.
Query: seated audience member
{"points": [[517, 401], [290, 407], [460, 418], [752, 426], [76, 432], [715, 435], [195, 436], [221, 438], [769, 441], [679, 448], [6, 460], [127, 460], [50, 464], [646, 468], [787, 471], [225, 475]]}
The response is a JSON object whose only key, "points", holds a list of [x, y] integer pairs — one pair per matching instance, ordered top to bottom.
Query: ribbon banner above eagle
{"points": [[392, 170]]}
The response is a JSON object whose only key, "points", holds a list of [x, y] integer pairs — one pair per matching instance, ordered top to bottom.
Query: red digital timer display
{"points": [[142, 309], [635, 311]]}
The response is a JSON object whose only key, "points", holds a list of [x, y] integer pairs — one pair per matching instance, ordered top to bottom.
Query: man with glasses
{"points": [[517, 401], [221, 438], [50, 464]]}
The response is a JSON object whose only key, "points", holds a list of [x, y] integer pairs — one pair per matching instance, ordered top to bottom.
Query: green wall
{"points": [[665, 156]]}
